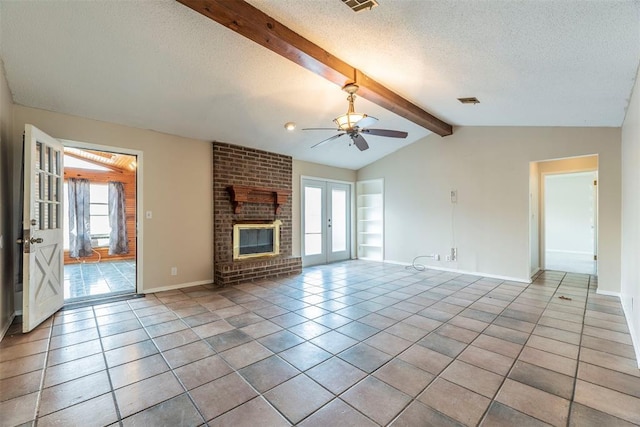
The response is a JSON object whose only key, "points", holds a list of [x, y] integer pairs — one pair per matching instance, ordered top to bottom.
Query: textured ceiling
{"points": [[159, 65]]}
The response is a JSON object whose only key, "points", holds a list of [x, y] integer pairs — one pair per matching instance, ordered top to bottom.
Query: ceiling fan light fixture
{"points": [[348, 121]]}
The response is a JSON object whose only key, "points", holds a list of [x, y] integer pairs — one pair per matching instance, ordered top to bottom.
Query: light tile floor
{"points": [[87, 280], [349, 344]]}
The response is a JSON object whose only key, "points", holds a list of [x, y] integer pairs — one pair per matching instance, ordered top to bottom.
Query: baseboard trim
{"points": [[472, 273], [178, 286], [609, 294], [7, 326], [635, 339]]}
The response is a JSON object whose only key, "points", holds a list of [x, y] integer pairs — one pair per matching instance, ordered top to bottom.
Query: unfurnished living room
{"points": [[319, 213]]}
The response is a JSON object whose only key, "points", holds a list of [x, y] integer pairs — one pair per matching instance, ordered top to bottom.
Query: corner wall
{"points": [[490, 169], [176, 188], [630, 292], [7, 309]]}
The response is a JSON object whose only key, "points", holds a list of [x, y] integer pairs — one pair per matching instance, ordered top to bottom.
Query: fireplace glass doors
{"points": [[255, 240]]}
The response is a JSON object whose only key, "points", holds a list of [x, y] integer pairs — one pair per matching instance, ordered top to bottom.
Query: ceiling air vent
{"points": [[358, 5], [471, 100]]}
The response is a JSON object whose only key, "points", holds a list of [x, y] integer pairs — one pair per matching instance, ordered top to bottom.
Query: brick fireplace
{"points": [[241, 168]]}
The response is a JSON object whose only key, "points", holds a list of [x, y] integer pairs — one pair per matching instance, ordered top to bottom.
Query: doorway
{"points": [[570, 221], [99, 223], [326, 223]]}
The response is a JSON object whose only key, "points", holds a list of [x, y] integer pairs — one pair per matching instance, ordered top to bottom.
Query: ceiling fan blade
{"points": [[366, 121], [334, 129], [385, 132], [327, 140], [360, 142]]}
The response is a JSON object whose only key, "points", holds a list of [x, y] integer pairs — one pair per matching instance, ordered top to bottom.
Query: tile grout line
{"points": [[515, 359], [106, 367], [44, 372], [575, 374]]}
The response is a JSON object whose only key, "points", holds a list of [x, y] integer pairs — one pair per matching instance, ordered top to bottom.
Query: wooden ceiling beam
{"points": [[252, 23]]}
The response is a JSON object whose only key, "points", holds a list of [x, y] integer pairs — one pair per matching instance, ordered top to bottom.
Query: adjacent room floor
{"points": [[574, 263], [90, 280], [354, 343]]}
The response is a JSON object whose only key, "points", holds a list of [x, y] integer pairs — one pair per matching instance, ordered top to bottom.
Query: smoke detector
{"points": [[360, 5]]}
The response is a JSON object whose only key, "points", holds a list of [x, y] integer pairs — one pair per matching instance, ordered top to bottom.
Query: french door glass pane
{"points": [[339, 220], [312, 221]]}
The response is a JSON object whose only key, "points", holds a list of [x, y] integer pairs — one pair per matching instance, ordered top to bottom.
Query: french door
{"points": [[326, 224]]}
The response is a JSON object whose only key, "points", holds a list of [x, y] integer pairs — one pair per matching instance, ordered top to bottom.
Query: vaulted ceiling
{"points": [[160, 65]]}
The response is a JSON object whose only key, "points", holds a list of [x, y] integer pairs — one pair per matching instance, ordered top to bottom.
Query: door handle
{"points": [[34, 240], [19, 241]]}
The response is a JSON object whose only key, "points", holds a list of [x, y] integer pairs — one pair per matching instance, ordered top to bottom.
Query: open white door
{"points": [[42, 228]]}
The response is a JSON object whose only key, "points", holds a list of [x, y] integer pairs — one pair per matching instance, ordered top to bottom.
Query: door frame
{"points": [[139, 195], [542, 213], [351, 215]]}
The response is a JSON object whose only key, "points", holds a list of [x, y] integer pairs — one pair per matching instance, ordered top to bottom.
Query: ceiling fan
{"points": [[355, 124]]}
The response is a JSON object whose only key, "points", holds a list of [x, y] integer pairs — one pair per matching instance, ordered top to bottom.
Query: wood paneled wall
{"points": [[103, 177]]}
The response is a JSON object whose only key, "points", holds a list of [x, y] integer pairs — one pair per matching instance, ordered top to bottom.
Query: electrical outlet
{"points": [[454, 196], [454, 254], [436, 257], [448, 257], [174, 271]]}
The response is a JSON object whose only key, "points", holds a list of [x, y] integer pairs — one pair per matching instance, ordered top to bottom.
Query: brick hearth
{"points": [[235, 165]]}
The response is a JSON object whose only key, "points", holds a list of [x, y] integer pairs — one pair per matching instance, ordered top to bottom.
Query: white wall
{"points": [[490, 169], [312, 170], [176, 188], [569, 213], [6, 284], [630, 292]]}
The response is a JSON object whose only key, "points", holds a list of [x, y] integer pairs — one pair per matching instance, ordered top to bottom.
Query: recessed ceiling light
{"points": [[470, 100], [290, 126]]}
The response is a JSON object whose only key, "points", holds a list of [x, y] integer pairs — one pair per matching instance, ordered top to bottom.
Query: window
{"points": [[98, 215]]}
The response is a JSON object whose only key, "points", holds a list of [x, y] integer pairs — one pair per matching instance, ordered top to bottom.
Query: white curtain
{"points": [[79, 227], [118, 242]]}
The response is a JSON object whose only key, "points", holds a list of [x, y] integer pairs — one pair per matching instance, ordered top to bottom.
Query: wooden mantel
{"points": [[241, 194]]}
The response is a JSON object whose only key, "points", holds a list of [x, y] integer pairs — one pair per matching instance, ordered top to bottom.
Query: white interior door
{"points": [[325, 221], [595, 222], [42, 228], [570, 229]]}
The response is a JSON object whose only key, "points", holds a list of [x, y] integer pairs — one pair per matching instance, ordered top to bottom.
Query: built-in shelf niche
{"points": [[241, 194], [370, 219]]}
